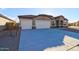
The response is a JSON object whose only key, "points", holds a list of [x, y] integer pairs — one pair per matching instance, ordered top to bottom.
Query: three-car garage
{"points": [[42, 21], [39, 22]]}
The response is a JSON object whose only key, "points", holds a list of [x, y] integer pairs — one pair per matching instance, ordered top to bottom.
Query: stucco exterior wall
{"points": [[41, 17], [3, 21]]}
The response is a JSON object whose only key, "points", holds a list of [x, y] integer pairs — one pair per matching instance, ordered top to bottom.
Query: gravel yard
{"points": [[9, 40]]}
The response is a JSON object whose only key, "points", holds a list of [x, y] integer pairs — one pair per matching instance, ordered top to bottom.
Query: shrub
{"points": [[11, 25]]}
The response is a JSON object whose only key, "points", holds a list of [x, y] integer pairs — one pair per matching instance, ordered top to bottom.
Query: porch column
{"points": [[33, 24]]}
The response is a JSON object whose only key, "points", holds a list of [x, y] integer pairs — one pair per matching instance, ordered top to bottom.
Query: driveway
{"points": [[40, 39]]}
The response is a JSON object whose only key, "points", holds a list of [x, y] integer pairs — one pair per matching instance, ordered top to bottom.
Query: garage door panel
{"points": [[26, 24], [42, 24]]}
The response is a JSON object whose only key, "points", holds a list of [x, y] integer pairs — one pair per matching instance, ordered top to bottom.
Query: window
{"points": [[65, 21]]}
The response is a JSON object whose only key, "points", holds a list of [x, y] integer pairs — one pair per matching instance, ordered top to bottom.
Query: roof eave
{"points": [[6, 17]]}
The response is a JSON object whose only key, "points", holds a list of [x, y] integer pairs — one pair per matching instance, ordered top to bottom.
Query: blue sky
{"points": [[70, 13]]}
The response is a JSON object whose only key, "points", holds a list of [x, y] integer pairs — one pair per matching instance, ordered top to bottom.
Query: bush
{"points": [[11, 25]]}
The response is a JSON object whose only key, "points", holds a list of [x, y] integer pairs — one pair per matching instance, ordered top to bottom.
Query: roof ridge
{"points": [[1, 15]]}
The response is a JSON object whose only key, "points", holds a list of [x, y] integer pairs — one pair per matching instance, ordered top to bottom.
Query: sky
{"points": [[72, 14]]}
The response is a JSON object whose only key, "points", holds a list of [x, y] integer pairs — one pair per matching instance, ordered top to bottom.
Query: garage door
{"points": [[26, 24], [42, 24]]}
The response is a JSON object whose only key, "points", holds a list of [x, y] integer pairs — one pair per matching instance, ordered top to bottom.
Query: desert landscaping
{"points": [[48, 35]]}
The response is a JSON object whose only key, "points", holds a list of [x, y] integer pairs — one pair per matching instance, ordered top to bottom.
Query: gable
{"points": [[42, 18]]}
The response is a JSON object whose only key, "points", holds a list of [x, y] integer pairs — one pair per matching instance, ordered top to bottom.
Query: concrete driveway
{"points": [[40, 39]]}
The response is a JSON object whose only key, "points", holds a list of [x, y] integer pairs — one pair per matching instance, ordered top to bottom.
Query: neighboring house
{"points": [[3, 20], [42, 21], [74, 24], [9, 40]]}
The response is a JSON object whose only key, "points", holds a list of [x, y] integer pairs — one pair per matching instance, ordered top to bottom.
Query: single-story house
{"points": [[3, 20], [42, 21], [74, 24]]}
